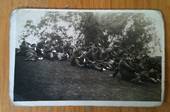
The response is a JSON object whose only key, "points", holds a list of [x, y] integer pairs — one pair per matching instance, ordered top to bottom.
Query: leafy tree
{"points": [[30, 30], [130, 31]]}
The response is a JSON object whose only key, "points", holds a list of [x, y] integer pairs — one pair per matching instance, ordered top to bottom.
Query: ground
{"points": [[58, 80]]}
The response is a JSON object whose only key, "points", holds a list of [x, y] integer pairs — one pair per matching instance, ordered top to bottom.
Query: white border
{"points": [[71, 102]]}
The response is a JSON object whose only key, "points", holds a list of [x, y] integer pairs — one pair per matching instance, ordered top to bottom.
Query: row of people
{"points": [[43, 49], [94, 57], [134, 69]]}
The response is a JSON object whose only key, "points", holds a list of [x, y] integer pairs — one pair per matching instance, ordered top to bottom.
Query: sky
{"points": [[20, 16]]}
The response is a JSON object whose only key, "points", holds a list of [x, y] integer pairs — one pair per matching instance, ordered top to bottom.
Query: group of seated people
{"points": [[44, 50], [93, 56], [135, 69], [139, 70]]}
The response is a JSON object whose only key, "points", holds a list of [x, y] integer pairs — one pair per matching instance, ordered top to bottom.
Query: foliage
{"points": [[129, 31]]}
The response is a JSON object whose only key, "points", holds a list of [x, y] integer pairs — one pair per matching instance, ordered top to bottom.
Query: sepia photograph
{"points": [[61, 57]]}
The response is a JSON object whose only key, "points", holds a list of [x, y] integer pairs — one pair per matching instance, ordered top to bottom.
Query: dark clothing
{"points": [[126, 71]]}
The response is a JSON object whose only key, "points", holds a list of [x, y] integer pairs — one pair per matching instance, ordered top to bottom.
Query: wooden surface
{"points": [[6, 6]]}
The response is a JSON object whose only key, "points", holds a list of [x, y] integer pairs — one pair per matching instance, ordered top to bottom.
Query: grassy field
{"points": [[58, 80]]}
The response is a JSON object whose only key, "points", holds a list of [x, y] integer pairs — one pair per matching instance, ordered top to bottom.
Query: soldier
{"points": [[24, 47], [40, 50], [68, 50], [50, 52], [31, 54], [61, 56], [77, 57], [93, 58], [127, 71]]}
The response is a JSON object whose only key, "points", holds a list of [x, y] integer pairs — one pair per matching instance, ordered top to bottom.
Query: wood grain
{"points": [[6, 7]]}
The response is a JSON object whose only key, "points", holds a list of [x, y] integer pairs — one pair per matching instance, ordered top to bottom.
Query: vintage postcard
{"points": [[62, 57]]}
